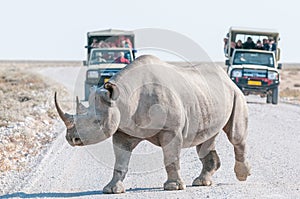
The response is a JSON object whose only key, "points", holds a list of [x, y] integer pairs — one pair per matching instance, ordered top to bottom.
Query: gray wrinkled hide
{"points": [[195, 101], [172, 107]]}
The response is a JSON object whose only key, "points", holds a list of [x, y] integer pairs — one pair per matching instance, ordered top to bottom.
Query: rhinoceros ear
{"points": [[113, 90]]}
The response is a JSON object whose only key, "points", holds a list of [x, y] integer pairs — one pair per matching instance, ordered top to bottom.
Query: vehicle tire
{"points": [[86, 91], [275, 96], [269, 98]]}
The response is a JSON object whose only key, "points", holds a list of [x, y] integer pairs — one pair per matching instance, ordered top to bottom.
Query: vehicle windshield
{"points": [[104, 56], [253, 58]]}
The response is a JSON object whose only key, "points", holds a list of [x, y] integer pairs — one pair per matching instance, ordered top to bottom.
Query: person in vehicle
{"points": [[120, 41], [95, 43], [128, 43], [265, 43], [103, 44], [239, 44], [249, 44], [225, 45], [259, 45], [271, 45], [232, 47], [100, 58], [122, 59]]}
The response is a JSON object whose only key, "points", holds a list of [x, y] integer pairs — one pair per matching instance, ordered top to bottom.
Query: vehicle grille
{"points": [[255, 73]]}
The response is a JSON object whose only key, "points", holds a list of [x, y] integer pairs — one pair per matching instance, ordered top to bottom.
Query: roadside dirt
{"points": [[290, 85], [27, 116]]}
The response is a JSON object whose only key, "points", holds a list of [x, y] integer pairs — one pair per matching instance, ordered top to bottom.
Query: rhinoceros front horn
{"points": [[62, 115]]}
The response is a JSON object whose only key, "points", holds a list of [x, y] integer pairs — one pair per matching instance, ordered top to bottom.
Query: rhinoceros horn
{"points": [[80, 108], [62, 115]]}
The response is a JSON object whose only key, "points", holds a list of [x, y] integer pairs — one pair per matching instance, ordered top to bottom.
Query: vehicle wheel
{"points": [[86, 91], [275, 96], [269, 98]]}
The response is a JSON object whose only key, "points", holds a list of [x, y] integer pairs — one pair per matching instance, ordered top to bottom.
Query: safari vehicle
{"points": [[108, 51], [254, 70]]}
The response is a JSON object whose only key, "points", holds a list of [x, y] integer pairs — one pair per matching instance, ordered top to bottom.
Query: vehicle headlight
{"points": [[236, 73], [93, 74], [272, 75]]}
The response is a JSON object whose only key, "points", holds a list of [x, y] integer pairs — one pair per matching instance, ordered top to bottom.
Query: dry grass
{"points": [[290, 84], [17, 90], [290, 93], [27, 116]]}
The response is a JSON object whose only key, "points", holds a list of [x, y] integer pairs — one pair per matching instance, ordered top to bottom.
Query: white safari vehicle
{"points": [[108, 51], [252, 60]]}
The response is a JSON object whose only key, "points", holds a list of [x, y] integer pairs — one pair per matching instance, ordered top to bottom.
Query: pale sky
{"points": [[56, 29]]}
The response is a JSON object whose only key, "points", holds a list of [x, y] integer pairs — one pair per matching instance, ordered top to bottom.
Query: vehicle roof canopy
{"points": [[254, 31], [110, 32], [243, 33], [109, 36]]}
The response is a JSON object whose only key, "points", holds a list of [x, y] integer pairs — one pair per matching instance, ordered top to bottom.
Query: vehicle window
{"points": [[255, 38], [110, 41], [104, 56], [253, 58]]}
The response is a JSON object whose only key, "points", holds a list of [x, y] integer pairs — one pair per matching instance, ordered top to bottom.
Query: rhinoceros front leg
{"points": [[171, 145], [123, 147], [210, 161]]}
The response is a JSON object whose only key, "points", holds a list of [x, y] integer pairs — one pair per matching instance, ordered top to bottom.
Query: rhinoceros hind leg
{"points": [[236, 131], [211, 163], [242, 170]]}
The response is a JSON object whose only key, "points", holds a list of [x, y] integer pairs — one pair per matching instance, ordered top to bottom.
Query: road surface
{"points": [[82, 172]]}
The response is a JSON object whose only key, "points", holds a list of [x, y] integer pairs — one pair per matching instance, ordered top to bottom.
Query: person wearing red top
{"points": [[122, 59]]}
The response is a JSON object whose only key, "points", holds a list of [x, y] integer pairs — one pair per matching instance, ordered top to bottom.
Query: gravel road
{"points": [[82, 172]]}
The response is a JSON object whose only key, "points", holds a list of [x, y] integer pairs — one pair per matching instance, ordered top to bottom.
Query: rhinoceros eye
{"points": [[96, 122]]}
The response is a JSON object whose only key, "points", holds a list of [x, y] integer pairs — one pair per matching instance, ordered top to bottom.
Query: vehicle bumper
{"points": [[256, 86]]}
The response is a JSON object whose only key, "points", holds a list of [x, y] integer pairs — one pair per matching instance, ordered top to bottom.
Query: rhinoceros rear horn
{"points": [[80, 108], [62, 115]]}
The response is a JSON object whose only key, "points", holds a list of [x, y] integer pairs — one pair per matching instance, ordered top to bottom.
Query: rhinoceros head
{"points": [[95, 123]]}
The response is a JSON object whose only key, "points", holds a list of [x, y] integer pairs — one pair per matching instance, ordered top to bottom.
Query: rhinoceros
{"points": [[170, 106]]}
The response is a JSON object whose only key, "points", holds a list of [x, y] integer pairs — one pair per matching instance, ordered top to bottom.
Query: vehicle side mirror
{"points": [[227, 62], [84, 63], [279, 66]]}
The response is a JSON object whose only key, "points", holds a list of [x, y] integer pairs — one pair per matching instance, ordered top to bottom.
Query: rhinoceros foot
{"points": [[242, 170], [202, 181], [174, 185], [114, 188]]}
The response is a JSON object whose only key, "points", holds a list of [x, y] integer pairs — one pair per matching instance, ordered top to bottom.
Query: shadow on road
{"points": [[252, 102], [51, 195], [71, 195]]}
